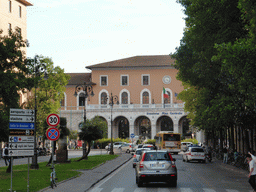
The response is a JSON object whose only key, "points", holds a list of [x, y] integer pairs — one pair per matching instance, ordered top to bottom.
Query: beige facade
{"points": [[138, 87]]}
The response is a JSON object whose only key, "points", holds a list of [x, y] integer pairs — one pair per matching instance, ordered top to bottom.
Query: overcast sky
{"points": [[80, 33]]}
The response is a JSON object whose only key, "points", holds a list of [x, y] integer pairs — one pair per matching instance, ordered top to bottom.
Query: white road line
{"points": [[140, 189], [97, 190], [118, 190], [163, 190], [186, 190], [208, 190], [231, 190]]}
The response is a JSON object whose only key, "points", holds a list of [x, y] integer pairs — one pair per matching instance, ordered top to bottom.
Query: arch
{"points": [[103, 91], [128, 96], [149, 96], [171, 96], [164, 123], [121, 127], [142, 127]]}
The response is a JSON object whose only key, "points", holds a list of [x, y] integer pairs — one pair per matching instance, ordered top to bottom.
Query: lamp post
{"points": [[38, 69], [88, 91], [112, 100]]}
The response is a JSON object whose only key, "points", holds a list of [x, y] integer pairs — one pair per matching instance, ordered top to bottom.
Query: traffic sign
{"points": [[22, 112], [22, 119], [53, 120], [14, 125], [22, 132], [53, 134], [132, 135], [28, 139], [21, 146], [21, 152]]}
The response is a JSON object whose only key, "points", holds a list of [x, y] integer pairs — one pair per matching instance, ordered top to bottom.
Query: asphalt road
{"points": [[71, 154], [192, 177]]}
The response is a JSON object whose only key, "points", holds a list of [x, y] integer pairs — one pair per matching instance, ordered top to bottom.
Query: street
{"points": [[71, 154], [192, 177]]}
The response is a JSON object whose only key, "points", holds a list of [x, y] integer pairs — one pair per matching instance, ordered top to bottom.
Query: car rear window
{"points": [[171, 137], [197, 150], [138, 152], [157, 156]]}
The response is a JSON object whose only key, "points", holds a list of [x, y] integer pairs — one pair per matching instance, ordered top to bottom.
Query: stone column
{"points": [[176, 126], [131, 130], [153, 130]]}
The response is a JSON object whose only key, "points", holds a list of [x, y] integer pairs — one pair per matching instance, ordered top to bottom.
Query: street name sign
{"points": [[26, 112], [29, 119], [17, 125], [21, 132], [22, 139], [21, 146], [21, 152]]}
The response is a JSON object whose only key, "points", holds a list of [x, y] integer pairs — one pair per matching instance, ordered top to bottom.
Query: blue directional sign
{"points": [[16, 125], [132, 135]]}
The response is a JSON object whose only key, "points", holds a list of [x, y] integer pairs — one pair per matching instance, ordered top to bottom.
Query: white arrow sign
{"points": [[29, 112], [30, 119], [21, 139], [21, 146], [21, 152]]}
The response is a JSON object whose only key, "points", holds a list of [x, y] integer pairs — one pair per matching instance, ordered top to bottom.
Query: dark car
{"points": [[156, 166]]}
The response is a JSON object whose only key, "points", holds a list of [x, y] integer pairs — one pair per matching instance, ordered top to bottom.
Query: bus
{"points": [[168, 140]]}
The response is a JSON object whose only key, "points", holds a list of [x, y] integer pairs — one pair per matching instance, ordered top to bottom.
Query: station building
{"points": [[137, 86]]}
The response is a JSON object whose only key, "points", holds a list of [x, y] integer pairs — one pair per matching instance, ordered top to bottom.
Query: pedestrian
{"points": [[5, 155], [225, 155], [235, 155], [252, 169]]}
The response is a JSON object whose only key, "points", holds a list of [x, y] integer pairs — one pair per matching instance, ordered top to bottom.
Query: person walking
{"points": [[5, 155], [225, 155], [252, 169]]}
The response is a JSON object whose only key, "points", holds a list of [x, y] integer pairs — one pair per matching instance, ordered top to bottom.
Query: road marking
{"points": [[97, 189], [118, 190], [140, 190], [163, 190], [186, 190], [209, 190], [231, 190]]}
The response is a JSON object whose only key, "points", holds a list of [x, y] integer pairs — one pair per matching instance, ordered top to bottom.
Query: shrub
{"points": [[150, 141], [194, 141]]}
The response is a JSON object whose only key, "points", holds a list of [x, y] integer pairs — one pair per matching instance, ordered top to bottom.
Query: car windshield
{"points": [[197, 150], [156, 156]]}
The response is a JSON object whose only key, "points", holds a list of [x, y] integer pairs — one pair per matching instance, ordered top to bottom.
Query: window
{"points": [[10, 6], [20, 11], [10, 28], [19, 31], [124, 79], [145, 80], [104, 81], [103, 98], [124, 98], [145, 98], [81, 99], [62, 102]]}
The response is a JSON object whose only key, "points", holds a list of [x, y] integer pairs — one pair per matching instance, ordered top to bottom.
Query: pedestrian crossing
{"points": [[145, 189]]}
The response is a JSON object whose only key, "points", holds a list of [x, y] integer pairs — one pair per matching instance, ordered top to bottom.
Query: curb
{"points": [[107, 174], [49, 187]]}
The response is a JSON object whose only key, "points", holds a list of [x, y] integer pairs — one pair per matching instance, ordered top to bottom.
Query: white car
{"points": [[115, 145], [128, 147], [194, 154]]}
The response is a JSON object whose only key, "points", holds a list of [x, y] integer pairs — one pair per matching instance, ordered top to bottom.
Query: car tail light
{"points": [[130, 146], [189, 153], [134, 156], [141, 162], [173, 162], [172, 175]]}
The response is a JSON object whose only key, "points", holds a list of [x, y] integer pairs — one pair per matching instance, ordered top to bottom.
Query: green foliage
{"points": [[13, 76], [49, 93], [64, 131], [73, 134], [150, 141], [194, 141], [104, 142]]}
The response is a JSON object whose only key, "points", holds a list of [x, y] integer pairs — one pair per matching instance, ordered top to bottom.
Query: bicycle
{"points": [[53, 177]]}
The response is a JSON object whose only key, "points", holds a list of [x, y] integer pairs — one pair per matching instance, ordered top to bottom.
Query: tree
{"points": [[13, 76], [49, 93], [92, 130]]}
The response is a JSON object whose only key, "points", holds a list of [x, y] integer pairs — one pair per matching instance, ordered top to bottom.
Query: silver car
{"points": [[136, 155], [156, 166]]}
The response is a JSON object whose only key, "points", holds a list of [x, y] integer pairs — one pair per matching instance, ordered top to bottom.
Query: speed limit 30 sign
{"points": [[53, 120]]}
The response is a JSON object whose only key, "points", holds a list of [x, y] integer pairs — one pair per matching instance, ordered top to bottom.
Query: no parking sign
{"points": [[53, 134]]}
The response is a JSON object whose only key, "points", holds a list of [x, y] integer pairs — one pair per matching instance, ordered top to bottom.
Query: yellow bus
{"points": [[168, 140]]}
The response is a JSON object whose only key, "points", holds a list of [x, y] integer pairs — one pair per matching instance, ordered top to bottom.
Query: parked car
{"points": [[115, 145], [184, 145], [140, 146], [150, 146], [128, 147], [194, 154], [136, 155], [156, 166]]}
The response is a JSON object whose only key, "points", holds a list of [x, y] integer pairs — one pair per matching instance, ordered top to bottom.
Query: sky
{"points": [[79, 33]]}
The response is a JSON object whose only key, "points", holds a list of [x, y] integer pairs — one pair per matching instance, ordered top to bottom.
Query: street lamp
{"points": [[38, 69], [88, 91], [112, 100]]}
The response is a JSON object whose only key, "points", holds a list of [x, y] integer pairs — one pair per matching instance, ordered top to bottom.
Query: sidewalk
{"points": [[89, 178]]}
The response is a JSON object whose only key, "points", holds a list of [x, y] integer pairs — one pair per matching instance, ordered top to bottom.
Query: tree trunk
{"points": [[54, 148], [85, 156]]}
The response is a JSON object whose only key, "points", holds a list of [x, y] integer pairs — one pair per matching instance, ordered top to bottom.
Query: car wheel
{"points": [[128, 151], [183, 159], [187, 159], [203, 161], [133, 166], [136, 180], [140, 183], [174, 183]]}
